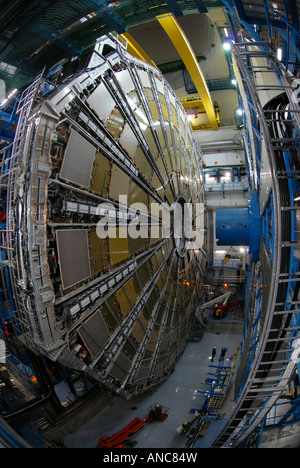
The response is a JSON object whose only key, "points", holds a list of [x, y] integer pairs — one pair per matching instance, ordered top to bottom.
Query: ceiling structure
{"points": [[40, 34], [56, 38]]}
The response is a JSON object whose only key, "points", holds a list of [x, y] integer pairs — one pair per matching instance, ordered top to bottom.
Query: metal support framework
{"points": [[183, 47], [139, 145], [272, 329], [218, 384]]}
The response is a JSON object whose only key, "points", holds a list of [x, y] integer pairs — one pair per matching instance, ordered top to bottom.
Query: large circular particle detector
{"points": [[115, 278]]}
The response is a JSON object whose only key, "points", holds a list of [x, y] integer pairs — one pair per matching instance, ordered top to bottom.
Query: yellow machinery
{"points": [[194, 106]]}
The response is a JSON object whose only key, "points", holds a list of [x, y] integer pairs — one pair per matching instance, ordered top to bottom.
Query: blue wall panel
{"points": [[232, 226]]}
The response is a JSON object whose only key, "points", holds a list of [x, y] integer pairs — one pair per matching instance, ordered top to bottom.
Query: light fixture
{"points": [[227, 45], [279, 53], [234, 82], [11, 94]]}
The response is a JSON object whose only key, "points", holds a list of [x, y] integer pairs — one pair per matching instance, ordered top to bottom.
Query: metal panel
{"points": [[144, 78], [125, 81], [101, 101], [115, 123], [129, 141], [78, 160], [143, 164], [101, 175], [119, 183], [137, 195], [233, 227], [134, 245], [118, 246], [99, 253], [73, 256], [126, 297], [93, 333], [121, 367], [142, 375]]}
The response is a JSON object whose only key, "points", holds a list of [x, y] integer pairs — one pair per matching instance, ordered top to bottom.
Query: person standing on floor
{"points": [[214, 352], [223, 352]]}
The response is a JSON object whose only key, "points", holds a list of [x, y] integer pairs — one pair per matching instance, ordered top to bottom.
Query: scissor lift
{"points": [[156, 412]]}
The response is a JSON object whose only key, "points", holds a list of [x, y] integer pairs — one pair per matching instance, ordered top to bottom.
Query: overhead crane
{"points": [[183, 47], [200, 104], [194, 106]]}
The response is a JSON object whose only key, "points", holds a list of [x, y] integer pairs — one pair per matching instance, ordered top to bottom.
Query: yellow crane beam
{"points": [[183, 47], [136, 50]]}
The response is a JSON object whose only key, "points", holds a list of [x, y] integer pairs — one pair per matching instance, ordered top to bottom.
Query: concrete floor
{"points": [[178, 393]]}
